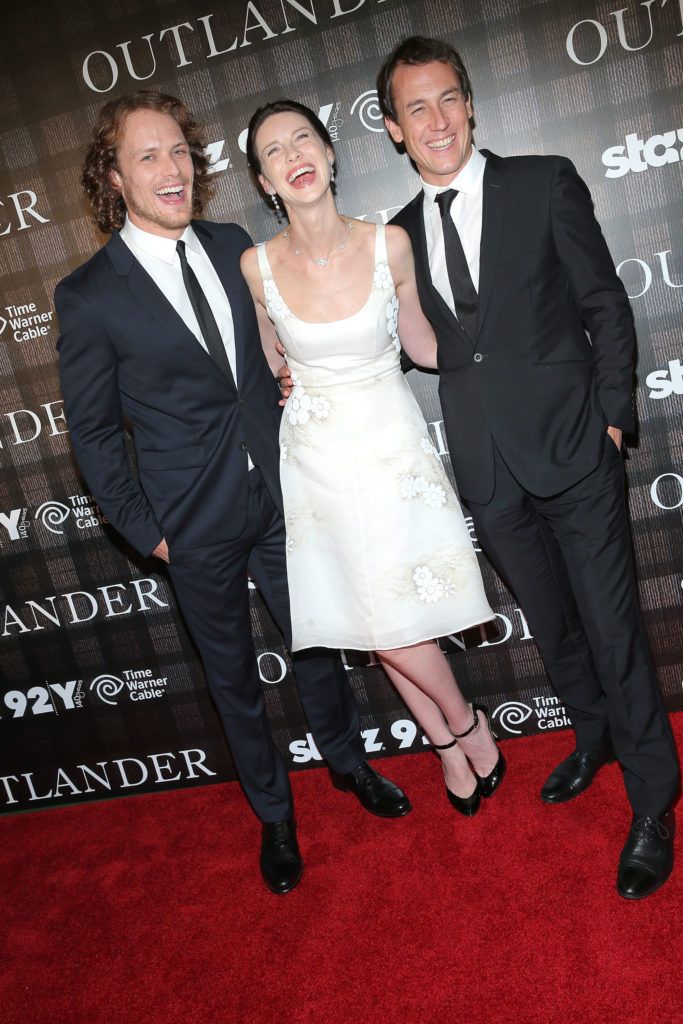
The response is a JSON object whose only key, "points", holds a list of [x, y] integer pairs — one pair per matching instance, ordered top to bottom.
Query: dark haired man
{"points": [[512, 269], [159, 327]]}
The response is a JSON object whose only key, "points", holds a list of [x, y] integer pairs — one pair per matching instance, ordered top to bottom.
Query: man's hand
{"points": [[285, 383], [616, 434], [161, 550]]}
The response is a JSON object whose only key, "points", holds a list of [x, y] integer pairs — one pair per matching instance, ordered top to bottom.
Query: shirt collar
{"points": [[467, 180], [157, 245]]}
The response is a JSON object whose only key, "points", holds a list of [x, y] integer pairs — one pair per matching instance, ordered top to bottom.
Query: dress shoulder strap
{"points": [[380, 245], [263, 264]]}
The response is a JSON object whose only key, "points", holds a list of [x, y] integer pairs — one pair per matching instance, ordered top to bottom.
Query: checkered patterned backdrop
{"points": [[101, 689]]}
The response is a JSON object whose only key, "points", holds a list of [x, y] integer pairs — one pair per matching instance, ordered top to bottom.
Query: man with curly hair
{"points": [[159, 329]]}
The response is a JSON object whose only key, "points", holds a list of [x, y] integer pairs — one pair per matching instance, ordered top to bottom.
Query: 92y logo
{"points": [[44, 700]]}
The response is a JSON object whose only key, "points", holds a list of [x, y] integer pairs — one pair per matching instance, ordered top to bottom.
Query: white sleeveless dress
{"points": [[378, 553]]}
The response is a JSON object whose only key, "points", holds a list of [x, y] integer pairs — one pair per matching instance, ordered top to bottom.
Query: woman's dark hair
{"points": [[417, 50], [282, 107], [107, 202]]}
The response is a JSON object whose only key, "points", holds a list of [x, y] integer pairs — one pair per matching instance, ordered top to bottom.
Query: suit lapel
{"points": [[491, 227], [147, 292]]}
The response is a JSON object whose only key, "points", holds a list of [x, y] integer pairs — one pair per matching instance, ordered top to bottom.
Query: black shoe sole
{"points": [[565, 799]]}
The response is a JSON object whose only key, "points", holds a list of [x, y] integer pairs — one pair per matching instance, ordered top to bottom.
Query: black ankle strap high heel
{"points": [[475, 723], [444, 746], [488, 784], [467, 805]]}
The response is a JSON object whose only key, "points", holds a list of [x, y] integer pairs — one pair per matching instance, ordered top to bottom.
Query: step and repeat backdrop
{"points": [[102, 693]]}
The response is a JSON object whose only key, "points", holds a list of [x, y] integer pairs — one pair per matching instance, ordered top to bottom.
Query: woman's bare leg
{"points": [[423, 677]]}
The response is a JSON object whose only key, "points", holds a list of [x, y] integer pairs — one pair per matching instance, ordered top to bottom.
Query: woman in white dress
{"points": [[378, 554]]}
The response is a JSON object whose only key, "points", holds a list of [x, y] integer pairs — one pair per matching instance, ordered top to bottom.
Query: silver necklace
{"points": [[322, 261]]}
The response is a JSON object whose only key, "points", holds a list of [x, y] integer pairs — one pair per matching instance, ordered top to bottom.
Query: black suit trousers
{"points": [[568, 560], [211, 587]]}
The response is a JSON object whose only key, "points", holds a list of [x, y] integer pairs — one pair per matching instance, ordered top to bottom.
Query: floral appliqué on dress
{"points": [[383, 282], [275, 304], [392, 321], [302, 406], [432, 494], [429, 587]]}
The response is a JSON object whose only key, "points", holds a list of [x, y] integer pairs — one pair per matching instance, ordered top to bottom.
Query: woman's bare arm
{"points": [[414, 330], [269, 338]]}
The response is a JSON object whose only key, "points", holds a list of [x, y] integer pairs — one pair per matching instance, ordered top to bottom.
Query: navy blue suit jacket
{"points": [[126, 356], [551, 362]]}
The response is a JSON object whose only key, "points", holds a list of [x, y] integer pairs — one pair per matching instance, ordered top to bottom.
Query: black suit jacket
{"points": [[125, 354], [551, 364]]}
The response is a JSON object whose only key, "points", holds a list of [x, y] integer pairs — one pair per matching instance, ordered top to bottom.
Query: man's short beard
{"points": [[172, 219]]}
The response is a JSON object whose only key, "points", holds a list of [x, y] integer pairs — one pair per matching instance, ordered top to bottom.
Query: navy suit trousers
{"points": [[568, 560], [211, 586]]}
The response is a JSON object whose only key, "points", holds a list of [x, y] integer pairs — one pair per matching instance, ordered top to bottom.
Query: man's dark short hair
{"points": [[417, 50]]}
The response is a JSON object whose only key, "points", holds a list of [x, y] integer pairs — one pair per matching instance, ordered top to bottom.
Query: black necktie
{"points": [[464, 293], [205, 318]]}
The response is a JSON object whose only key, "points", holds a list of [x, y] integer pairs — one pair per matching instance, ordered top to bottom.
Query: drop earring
{"points": [[331, 174], [276, 203]]}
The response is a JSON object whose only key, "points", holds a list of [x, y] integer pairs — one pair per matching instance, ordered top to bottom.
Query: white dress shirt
{"points": [[466, 211], [159, 257]]}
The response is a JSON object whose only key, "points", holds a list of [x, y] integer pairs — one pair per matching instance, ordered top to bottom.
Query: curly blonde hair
{"points": [[107, 202]]}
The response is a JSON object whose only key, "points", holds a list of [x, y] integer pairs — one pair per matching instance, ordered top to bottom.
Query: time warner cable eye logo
{"points": [[369, 113], [82, 508], [137, 685], [512, 714], [548, 714]]}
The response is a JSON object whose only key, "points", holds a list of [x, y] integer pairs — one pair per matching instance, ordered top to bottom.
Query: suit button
{"points": [[478, 357], [241, 402], [244, 446]]}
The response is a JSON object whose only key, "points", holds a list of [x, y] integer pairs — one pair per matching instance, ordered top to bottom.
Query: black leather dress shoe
{"points": [[574, 775], [376, 794], [647, 859], [281, 863]]}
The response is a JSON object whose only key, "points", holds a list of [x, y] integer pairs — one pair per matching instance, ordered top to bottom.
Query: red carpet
{"points": [[151, 910]]}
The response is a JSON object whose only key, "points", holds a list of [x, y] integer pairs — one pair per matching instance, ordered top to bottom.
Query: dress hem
{"points": [[349, 645]]}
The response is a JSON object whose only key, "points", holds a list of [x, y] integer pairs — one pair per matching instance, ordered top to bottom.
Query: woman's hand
{"points": [[284, 382]]}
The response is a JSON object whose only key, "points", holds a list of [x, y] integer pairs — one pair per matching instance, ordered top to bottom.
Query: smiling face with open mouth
{"points": [[433, 119], [294, 159], [155, 173]]}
